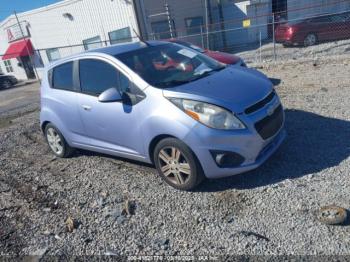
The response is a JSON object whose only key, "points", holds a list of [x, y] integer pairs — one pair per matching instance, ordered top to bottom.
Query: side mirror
{"points": [[110, 95]]}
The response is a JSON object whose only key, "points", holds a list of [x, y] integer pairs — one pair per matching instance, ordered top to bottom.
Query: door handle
{"points": [[86, 108]]}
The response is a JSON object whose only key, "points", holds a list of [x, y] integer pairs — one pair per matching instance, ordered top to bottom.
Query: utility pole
{"points": [[30, 57]]}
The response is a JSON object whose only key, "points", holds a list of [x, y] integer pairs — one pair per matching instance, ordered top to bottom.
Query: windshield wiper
{"points": [[207, 73], [175, 82], [172, 83]]}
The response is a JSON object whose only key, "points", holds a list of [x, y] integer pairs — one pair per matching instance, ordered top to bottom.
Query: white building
{"points": [[74, 25]]}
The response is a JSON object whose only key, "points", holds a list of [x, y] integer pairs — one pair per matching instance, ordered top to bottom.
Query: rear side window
{"points": [[322, 19], [97, 76], [62, 77]]}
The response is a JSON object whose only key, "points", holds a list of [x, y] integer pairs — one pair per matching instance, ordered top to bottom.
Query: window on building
{"points": [[194, 25], [161, 29], [120, 36], [92, 43], [53, 54], [8, 66], [97, 76], [62, 77]]}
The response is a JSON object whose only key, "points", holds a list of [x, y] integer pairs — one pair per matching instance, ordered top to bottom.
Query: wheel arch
{"points": [[152, 145]]}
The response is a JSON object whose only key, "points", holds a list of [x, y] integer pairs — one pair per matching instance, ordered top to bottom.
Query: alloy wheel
{"points": [[55, 141], [174, 165]]}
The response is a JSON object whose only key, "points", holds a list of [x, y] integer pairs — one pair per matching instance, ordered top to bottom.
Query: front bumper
{"points": [[247, 143]]}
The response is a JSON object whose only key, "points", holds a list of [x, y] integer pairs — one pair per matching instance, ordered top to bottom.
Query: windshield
{"points": [[169, 65]]}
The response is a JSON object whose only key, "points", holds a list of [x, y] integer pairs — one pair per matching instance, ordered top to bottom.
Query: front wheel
{"points": [[177, 165]]}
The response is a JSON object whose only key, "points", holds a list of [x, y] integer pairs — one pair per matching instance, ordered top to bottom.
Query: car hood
{"points": [[223, 57], [233, 88]]}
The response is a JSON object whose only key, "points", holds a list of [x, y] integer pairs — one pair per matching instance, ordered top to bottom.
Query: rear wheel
{"points": [[310, 39], [57, 143], [177, 165]]}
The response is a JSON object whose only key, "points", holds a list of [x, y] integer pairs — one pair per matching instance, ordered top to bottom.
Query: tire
{"points": [[310, 40], [7, 84], [56, 142], [177, 165]]}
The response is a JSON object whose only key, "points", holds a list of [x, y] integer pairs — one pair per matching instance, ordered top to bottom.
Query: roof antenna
{"points": [[140, 38]]}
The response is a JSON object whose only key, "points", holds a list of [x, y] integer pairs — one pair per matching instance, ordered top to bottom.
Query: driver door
{"points": [[110, 127]]}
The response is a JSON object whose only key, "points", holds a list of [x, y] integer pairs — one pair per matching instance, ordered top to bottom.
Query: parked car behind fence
{"points": [[308, 32]]}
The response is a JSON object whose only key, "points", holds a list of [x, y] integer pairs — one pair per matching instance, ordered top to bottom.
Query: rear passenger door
{"points": [[322, 27], [62, 101], [109, 126]]}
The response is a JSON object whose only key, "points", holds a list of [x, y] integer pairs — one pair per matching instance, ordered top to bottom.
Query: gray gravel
{"points": [[254, 54], [123, 207]]}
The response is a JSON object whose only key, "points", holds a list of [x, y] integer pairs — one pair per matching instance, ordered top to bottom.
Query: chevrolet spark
{"points": [[165, 104]]}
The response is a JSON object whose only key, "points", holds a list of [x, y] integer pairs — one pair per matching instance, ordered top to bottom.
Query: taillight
{"points": [[290, 31]]}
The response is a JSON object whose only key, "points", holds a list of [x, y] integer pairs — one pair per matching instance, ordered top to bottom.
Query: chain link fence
{"points": [[252, 31]]}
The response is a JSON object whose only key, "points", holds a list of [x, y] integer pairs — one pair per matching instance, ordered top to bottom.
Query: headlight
{"points": [[208, 114]]}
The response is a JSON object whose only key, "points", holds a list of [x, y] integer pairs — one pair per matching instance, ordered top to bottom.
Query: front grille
{"points": [[260, 104], [269, 126]]}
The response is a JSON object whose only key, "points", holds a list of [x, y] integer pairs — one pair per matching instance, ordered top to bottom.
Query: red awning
{"points": [[20, 48]]}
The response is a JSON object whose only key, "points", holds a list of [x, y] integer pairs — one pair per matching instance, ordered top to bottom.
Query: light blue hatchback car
{"points": [[162, 103]]}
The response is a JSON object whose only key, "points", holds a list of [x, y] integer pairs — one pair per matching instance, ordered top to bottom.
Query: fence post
{"points": [[273, 36], [202, 38], [260, 45], [30, 57]]}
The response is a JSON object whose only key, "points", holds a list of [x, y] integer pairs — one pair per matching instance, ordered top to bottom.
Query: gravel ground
{"points": [[322, 50], [95, 204]]}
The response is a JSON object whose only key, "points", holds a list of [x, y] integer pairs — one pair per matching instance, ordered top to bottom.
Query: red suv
{"points": [[311, 31]]}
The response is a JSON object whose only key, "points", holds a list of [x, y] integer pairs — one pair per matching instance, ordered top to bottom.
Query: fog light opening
{"points": [[227, 159]]}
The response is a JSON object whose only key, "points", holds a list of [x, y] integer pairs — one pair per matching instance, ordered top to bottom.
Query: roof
{"points": [[61, 3], [123, 48], [109, 50]]}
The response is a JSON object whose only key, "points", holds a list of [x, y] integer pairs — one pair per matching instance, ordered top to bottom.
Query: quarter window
{"points": [[120, 36], [92, 43], [53, 54], [8, 66], [97, 76], [62, 77]]}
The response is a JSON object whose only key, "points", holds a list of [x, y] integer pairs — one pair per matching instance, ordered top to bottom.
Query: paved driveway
{"points": [[19, 97]]}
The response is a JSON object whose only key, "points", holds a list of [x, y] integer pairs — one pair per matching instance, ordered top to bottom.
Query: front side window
{"points": [[194, 25], [120, 36], [92, 43], [53, 54], [169, 65], [8, 66], [97, 76], [62, 77]]}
